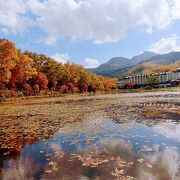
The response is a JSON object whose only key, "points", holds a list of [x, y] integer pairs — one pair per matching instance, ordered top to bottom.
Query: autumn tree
{"points": [[8, 59], [38, 59], [22, 72], [54, 72], [28, 73], [72, 76], [41, 80], [152, 81], [84, 82], [109, 84], [129, 85]]}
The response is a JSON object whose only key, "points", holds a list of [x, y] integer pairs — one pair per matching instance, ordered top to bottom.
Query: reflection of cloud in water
{"points": [[169, 130], [106, 139], [116, 143], [55, 147], [169, 159], [166, 160], [146, 175]]}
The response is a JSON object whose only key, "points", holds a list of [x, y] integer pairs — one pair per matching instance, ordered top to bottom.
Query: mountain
{"points": [[143, 56], [165, 58], [164, 62], [115, 63], [119, 66], [149, 68]]}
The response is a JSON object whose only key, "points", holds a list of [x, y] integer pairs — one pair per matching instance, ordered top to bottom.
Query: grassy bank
{"points": [[139, 90]]}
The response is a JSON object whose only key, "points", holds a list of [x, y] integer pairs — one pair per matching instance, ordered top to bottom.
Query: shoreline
{"points": [[118, 91]]}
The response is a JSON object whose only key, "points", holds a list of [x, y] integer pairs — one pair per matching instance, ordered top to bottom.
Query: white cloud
{"points": [[176, 9], [13, 15], [97, 20], [100, 21], [166, 45], [61, 57], [91, 63]]}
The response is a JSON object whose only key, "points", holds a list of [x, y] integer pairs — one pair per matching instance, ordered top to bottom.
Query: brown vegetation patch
{"points": [[162, 114]]}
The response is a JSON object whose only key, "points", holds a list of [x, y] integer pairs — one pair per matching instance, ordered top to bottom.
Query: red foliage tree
{"points": [[42, 81], [129, 85], [36, 88]]}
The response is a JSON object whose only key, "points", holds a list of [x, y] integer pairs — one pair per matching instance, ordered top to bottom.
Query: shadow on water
{"points": [[101, 149]]}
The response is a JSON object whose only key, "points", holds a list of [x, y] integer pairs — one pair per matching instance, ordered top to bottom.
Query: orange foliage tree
{"points": [[8, 59], [28, 73]]}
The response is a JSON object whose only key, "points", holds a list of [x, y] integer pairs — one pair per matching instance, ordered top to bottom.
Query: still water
{"points": [[101, 149]]}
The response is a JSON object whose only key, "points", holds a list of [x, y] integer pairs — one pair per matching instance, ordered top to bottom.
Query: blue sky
{"points": [[90, 32]]}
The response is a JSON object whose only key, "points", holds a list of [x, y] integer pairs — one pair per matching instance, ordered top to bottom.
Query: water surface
{"points": [[101, 149]]}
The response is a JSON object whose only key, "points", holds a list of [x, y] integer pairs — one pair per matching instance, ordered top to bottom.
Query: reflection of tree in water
{"points": [[27, 165], [1, 166], [17, 167]]}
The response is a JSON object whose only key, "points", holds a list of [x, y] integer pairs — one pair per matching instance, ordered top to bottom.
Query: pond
{"points": [[101, 149]]}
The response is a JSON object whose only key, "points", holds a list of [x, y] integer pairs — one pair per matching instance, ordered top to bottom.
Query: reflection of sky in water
{"points": [[171, 131], [134, 133], [160, 145]]}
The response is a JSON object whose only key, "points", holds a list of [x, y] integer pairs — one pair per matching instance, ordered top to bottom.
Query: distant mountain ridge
{"points": [[142, 57], [166, 58], [117, 66]]}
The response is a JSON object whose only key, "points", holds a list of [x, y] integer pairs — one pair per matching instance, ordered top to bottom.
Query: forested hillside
{"points": [[152, 67], [27, 73]]}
